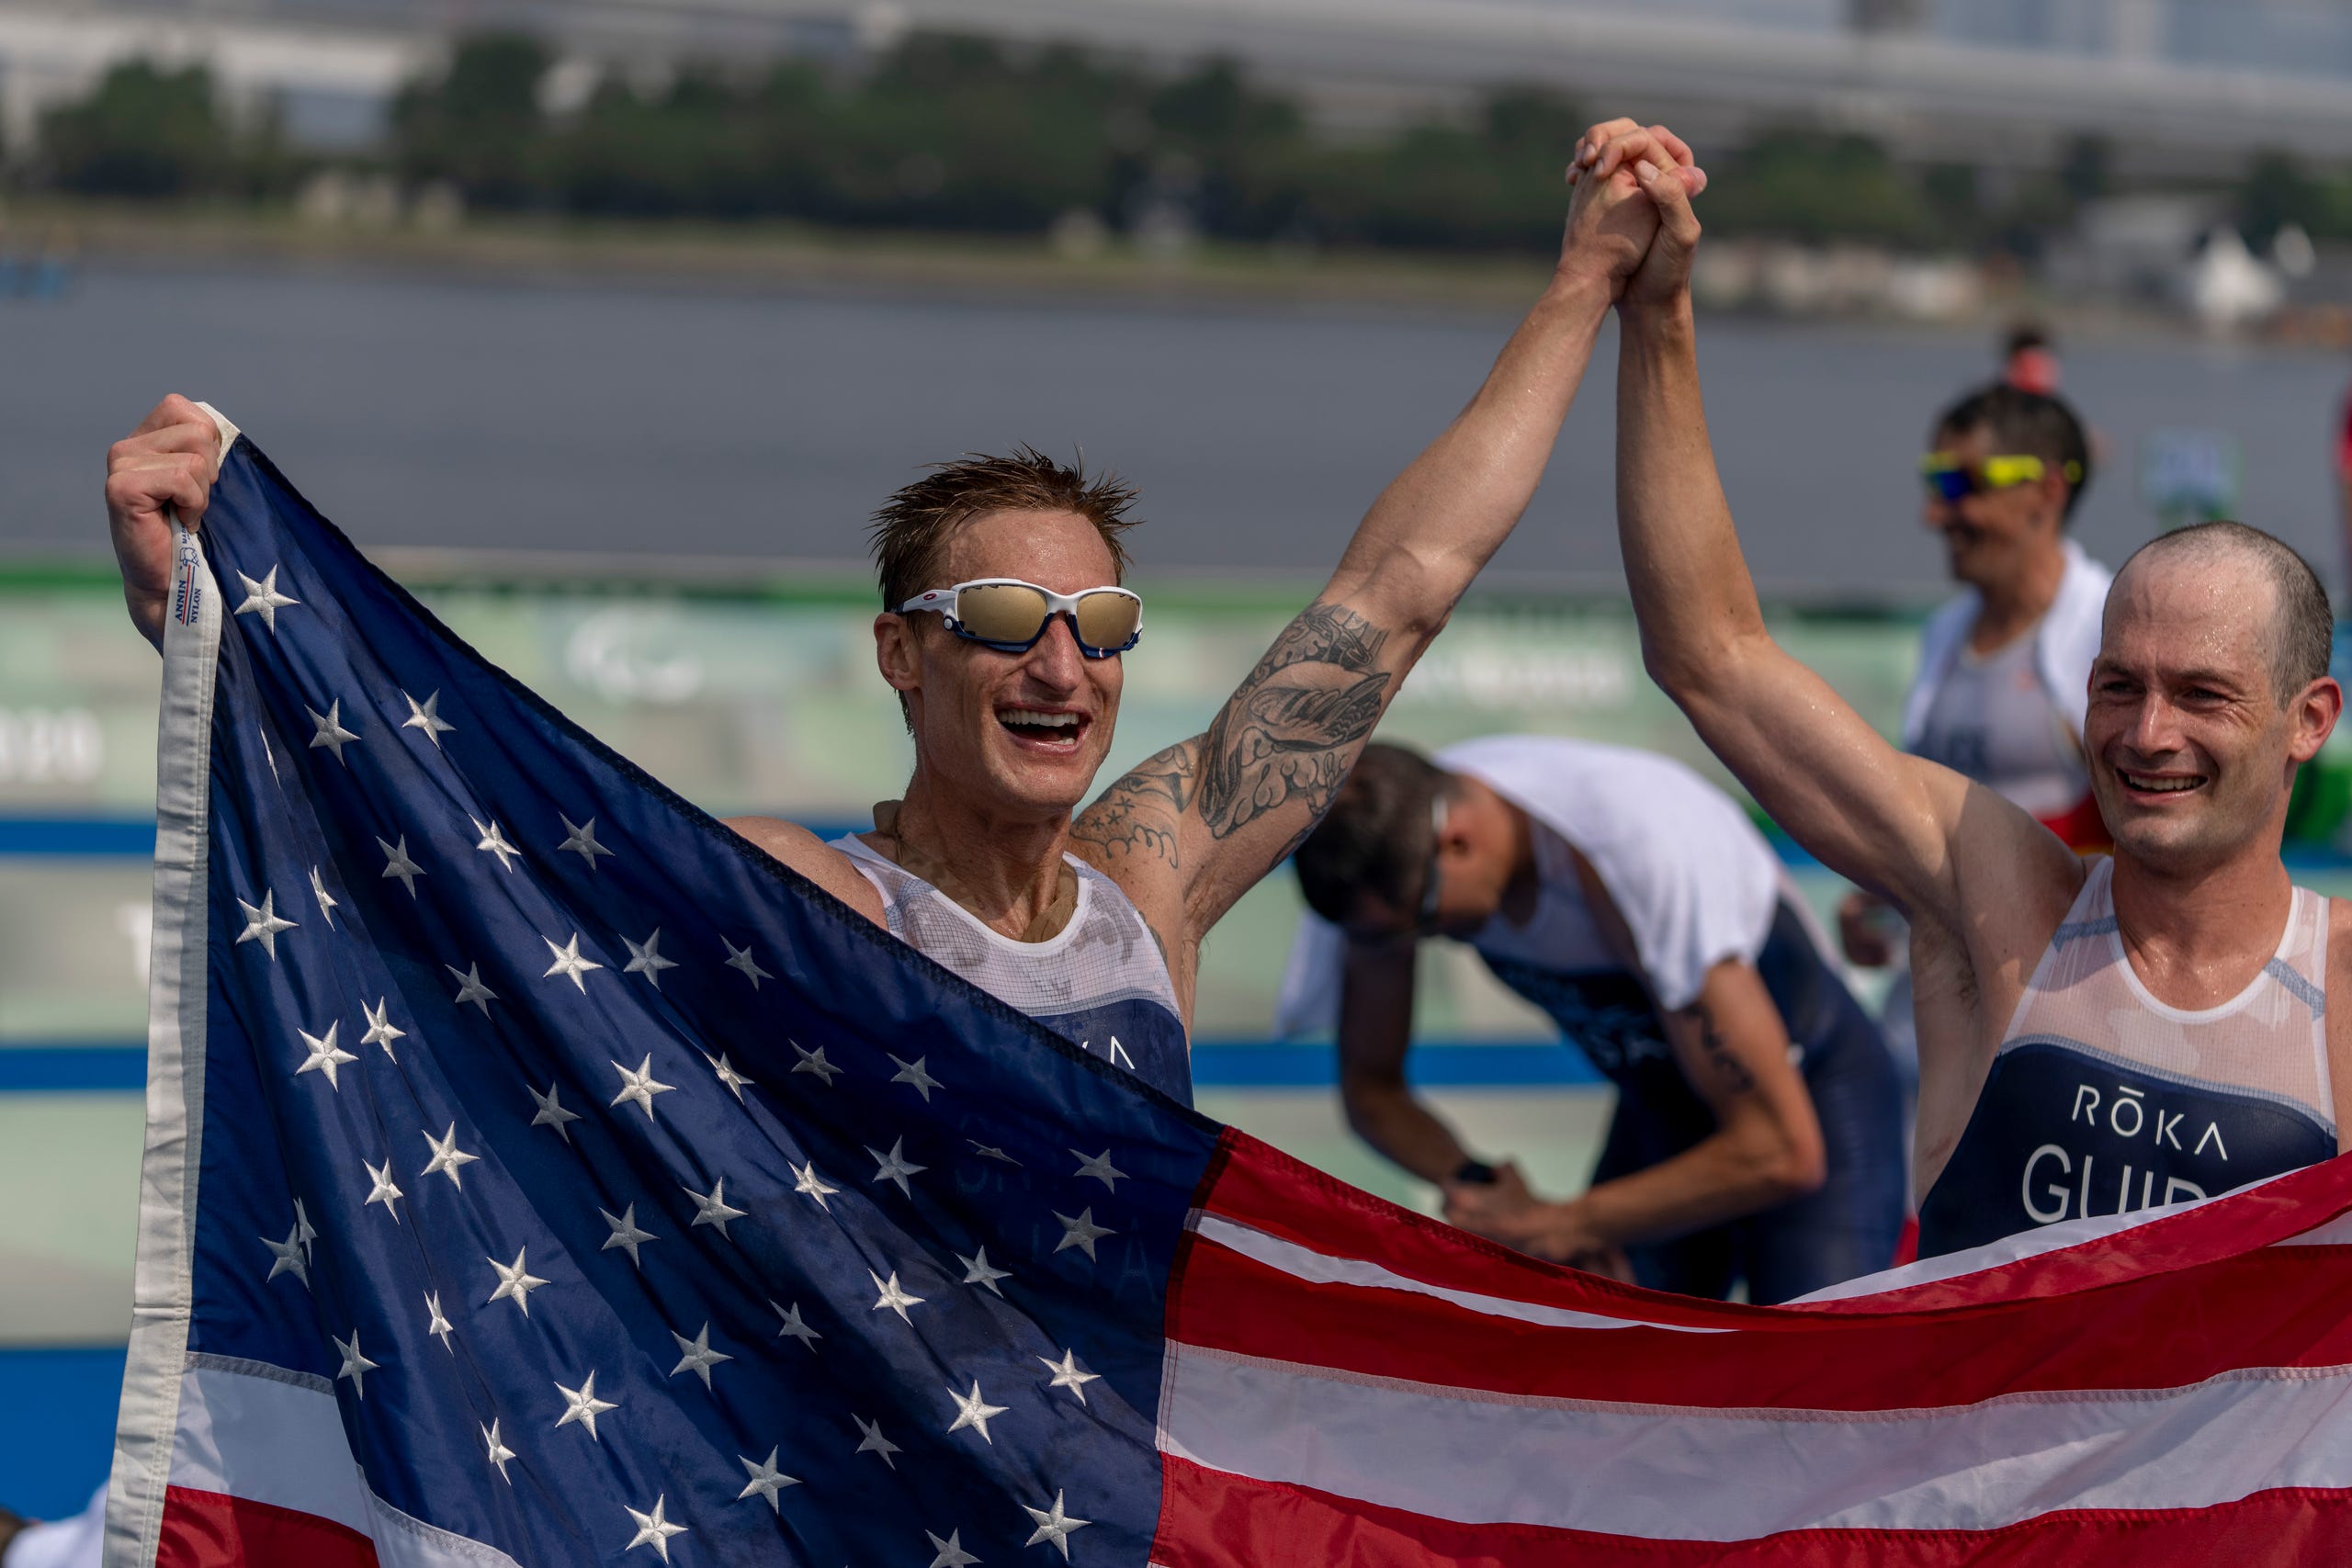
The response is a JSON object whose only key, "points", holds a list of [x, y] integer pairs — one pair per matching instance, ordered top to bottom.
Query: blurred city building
{"points": [[2184, 86]]}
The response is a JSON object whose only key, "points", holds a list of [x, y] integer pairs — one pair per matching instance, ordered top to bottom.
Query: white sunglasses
{"points": [[1010, 616]]}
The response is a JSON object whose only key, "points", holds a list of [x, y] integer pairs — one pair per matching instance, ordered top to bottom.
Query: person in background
{"points": [[2029, 360], [2003, 667], [1757, 1136]]}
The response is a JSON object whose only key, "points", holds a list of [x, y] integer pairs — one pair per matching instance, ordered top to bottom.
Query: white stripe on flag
{"points": [[1323, 1269], [274, 1436], [1697, 1474]]}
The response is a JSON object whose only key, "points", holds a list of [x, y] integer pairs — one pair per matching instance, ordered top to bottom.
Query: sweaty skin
{"points": [[2191, 748], [1190, 831]]}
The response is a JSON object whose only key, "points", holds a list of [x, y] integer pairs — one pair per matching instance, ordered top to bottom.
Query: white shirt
{"points": [[1693, 878]]}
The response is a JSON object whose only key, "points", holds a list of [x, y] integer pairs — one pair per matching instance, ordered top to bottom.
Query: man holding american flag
{"points": [[1002, 628]]}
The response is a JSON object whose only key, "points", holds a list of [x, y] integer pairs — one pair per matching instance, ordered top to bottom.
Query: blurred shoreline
{"points": [[756, 258]]}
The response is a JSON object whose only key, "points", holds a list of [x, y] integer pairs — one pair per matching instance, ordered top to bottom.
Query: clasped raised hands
{"points": [[1630, 223]]}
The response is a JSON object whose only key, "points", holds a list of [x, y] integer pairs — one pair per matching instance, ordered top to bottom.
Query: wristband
{"points": [[1475, 1173]]}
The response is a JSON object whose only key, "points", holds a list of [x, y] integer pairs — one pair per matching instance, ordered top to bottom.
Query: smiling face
{"points": [[1993, 538], [1018, 734], [2193, 751]]}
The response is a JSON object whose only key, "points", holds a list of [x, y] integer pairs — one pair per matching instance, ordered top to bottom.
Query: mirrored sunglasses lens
{"points": [[1950, 483], [1001, 611], [1107, 620]]}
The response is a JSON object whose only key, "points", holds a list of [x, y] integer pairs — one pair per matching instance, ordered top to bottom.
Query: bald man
{"points": [[2095, 1036]]}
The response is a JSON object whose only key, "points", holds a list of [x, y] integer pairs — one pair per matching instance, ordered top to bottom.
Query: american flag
{"points": [[537, 1174]]}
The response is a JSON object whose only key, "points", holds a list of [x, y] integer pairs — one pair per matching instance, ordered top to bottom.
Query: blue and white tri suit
{"points": [[1100, 983]]}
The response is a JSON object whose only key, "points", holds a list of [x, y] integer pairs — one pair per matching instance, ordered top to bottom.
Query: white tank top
{"points": [[1992, 721], [1100, 983], [2102, 1099]]}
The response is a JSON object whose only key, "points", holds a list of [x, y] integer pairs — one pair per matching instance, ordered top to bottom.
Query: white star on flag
{"points": [[263, 598], [425, 715], [332, 734], [494, 841], [583, 841], [397, 864], [326, 900], [263, 925], [741, 959], [646, 960], [569, 964], [471, 988], [380, 1027], [325, 1054], [814, 1062], [915, 1074], [735, 1081], [640, 1086], [551, 1113], [988, 1151], [447, 1157], [894, 1166], [1100, 1168], [806, 1180], [383, 1192], [711, 1208], [302, 1229], [1082, 1232], [625, 1234], [288, 1257], [977, 1272], [514, 1283], [892, 1296], [439, 1326], [794, 1327], [698, 1356], [355, 1366], [1067, 1375], [582, 1405], [973, 1411], [872, 1441], [499, 1452], [766, 1480], [1053, 1525], [652, 1530], [951, 1550]]}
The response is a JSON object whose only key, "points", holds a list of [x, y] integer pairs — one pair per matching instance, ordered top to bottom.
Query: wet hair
{"points": [[2033, 423], [909, 532], [2301, 627], [1378, 836]]}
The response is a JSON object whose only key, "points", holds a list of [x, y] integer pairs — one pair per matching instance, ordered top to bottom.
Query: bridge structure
{"points": [[331, 66]]}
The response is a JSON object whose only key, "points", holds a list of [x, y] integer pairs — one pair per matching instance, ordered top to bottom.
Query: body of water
{"points": [[463, 412]]}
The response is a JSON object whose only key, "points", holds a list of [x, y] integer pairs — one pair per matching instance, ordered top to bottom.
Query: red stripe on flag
{"points": [[1269, 1190], [2274, 1308], [1210, 1519], [212, 1529]]}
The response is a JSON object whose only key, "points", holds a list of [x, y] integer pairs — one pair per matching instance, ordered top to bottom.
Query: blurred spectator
{"points": [[2029, 360]]}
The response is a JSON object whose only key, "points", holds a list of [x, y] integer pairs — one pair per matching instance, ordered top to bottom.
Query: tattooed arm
{"points": [[1196, 826]]}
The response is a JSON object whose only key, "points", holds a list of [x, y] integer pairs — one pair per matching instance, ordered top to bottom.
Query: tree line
{"points": [[952, 132]]}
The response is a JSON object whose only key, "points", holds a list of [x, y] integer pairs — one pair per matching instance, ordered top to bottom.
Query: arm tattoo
{"points": [[1289, 731], [1138, 815], [1717, 1050]]}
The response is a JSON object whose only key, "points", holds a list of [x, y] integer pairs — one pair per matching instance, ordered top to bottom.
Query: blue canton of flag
{"points": [[539, 1173]]}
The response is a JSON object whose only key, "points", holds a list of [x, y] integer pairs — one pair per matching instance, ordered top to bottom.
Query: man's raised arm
{"points": [[1885, 820], [1194, 827]]}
